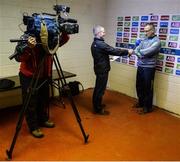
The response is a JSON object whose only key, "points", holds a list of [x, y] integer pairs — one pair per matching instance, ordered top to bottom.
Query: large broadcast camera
{"points": [[57, 22], [47, 28]]}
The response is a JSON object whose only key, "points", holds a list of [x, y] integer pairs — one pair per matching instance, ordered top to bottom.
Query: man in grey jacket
{"points": [[147, 53]]}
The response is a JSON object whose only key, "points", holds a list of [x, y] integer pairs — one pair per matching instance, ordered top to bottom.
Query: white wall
{"points": [[74, 56], [122, 77]]}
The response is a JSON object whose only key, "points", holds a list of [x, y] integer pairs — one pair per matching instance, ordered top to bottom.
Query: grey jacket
{"points": [[147, 52]]}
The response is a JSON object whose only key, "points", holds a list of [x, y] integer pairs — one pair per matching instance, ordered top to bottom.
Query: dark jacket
{"points": [[100, 52]]}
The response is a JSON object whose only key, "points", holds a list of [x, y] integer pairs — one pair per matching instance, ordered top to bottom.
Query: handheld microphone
{"points": [[137, 43]]}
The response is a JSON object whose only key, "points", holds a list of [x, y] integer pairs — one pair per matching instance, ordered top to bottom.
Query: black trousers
{"points": [[100, 87], [144, 87], [37, 111]]}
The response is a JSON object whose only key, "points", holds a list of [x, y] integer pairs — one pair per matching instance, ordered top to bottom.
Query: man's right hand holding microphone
{"points": [[130, 52]]}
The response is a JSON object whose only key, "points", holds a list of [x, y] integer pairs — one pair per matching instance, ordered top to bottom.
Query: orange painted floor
{"points": [[123, 135]]}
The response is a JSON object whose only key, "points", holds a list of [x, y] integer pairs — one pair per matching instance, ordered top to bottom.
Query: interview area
{"points": [[89, 80]]}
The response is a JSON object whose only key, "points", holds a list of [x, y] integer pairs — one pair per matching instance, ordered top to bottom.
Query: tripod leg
{"points": [[32, 87], [67, 90], [60, 94], [60, 98], [77, 115], [18, 126]]}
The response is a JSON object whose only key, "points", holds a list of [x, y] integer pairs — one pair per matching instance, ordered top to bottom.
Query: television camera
{"points": [[57, 22], [47, 28]]}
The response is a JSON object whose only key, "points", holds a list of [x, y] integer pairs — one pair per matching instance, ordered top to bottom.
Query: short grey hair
{"points": [[151, 25], [97, 29]]}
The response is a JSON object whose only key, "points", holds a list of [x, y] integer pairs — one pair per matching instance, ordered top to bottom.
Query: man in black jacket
{"points": [[100, 52]]}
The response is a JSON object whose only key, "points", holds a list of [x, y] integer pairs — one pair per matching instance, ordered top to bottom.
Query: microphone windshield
{"points": [[137, 43]]}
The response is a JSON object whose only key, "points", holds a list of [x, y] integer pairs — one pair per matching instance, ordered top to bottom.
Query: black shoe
{"points": [[137, 105], [103, 106], [139, 110], [150, 110], [144, 111], [101, 112], [48, 124], [37, 133]]}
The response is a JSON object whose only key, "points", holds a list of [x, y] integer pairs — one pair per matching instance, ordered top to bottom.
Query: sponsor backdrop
{"points": [[131, 28]]}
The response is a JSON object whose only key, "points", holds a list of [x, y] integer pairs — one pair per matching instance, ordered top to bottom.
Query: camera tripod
{"points": [[33, 88]]}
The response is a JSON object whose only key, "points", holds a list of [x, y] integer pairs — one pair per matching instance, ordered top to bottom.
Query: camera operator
{"points": [[100, 52], [34, 58]]}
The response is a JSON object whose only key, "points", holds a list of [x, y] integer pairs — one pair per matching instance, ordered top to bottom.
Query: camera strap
{"points": [[44, 38]]}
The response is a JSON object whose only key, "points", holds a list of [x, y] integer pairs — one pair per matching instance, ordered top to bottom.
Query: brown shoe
{"points": [[48, 124], [37, 133]]}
